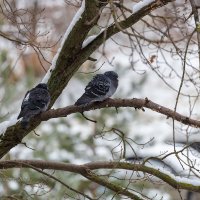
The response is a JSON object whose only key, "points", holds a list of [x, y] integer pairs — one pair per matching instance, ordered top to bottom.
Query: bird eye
{"points": [[100, 86]]}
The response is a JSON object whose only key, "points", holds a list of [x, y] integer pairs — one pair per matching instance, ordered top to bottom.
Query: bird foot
{"points": [[88, 118]]}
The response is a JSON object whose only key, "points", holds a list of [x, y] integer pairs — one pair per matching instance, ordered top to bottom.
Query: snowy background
{"points": [[76, 140]]}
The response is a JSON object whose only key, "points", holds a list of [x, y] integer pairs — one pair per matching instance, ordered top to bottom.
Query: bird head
{"points": [[111, 74], [42, 85]]}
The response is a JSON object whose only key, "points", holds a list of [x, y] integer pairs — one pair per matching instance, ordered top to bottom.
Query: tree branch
{"points": [[197, 22], [124, 24], [72, 55], [68, 60], [61, 74], [117, 103], [8, 140], [89, 167], [56, 179], [114, 187]]}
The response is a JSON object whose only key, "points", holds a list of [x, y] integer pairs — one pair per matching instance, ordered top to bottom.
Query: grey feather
{"points": [[101, 87], [35, 101]]}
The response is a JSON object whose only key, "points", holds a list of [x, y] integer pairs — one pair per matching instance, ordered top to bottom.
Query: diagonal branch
{"points": [[71, 56], [66, 62], [55, 179], [112, 186]]}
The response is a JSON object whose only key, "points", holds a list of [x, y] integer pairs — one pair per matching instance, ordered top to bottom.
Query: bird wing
{"points": [[98, 86], [39, 99], [25, 100], [35, 101], [24, 104]]}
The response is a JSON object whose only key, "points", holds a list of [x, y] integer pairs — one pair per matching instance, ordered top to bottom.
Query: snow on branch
{"points": [[138, 6], [70, 27], [66, 60], [4, 125], [164, 158]]}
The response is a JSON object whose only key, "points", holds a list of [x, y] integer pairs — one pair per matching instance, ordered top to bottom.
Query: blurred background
{"points": [[149, 59]]}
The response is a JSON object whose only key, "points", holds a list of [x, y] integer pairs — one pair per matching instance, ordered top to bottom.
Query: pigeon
{"points": [[101, 87], [35, 101]]}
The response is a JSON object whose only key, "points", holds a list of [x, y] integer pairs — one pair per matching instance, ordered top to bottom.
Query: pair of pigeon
{"points": [[37, 100]]}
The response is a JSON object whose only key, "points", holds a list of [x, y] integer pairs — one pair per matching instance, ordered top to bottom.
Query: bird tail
{"points": [[83, 100], [25, 122]]}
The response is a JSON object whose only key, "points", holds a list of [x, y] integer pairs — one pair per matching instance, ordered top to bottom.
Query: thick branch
{"points": [[124, 24], [72, 55], [68, 60], [61, 74], [117, 103], [9, 140], [86, 168]]}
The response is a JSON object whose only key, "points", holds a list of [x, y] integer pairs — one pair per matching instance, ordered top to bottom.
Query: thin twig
{"points": [[197, 22]]}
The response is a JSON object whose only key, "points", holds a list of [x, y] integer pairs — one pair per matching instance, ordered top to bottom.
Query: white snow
{"points": [[138, 6], [72, 24], [90, 39], [4, 125], [139, 126], [179, 165], [180, 179], [13, 184]]}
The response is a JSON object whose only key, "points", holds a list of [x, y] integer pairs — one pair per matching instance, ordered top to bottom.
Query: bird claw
{"points": [[94, 121], [24, 143]]}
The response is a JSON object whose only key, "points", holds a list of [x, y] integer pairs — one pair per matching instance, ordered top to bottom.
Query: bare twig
{"points": [[197, 22]]}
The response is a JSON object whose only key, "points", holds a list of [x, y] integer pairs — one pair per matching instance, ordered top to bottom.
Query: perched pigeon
{"points": [[101, 87], [35, 101]]}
